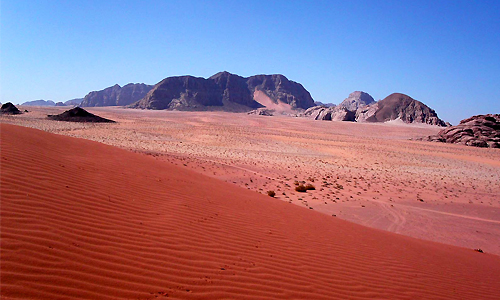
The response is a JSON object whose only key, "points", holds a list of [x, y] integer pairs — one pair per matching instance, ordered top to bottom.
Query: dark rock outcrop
{"points": [[223, 91], [116, 95], [356, 100], [39, 103], [60, 104], [405, 108], [9, 109], [262, 112], [78, 114], [478, 131]]}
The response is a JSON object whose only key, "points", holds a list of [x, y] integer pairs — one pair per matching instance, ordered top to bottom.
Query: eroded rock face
{"points": [[279, 88], [223, 91], [116, 95], [356, 100], [403, 107], [335, 113], [477, 131]]}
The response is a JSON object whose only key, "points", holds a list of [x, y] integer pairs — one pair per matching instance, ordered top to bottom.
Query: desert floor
{"points": [[370, 174], [84, 220]]}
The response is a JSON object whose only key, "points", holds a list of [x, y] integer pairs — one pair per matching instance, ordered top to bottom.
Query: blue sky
{"points": [[443, 53]]}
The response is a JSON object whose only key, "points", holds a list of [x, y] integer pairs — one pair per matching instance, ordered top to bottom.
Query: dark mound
{"points": [[405, 108], [9, 109], [78, 114], [479, 131]]}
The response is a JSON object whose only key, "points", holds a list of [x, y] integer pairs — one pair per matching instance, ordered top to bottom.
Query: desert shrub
{"points": [[310, 187], [301, 188], [271, 193]]}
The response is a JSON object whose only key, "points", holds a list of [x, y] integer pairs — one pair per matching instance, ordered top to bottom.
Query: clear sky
{"points": [[443, 53]]}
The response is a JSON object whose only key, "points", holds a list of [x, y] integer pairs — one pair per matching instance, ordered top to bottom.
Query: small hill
{"points": [[40, 103], [9, 109], [78, 114], [479, 131]]}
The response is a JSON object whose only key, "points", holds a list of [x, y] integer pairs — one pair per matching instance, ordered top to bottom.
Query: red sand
{"points": [[82, 220]]}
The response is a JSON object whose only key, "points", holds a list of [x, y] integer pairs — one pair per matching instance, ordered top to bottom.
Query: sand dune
{"points": [[83, 220]]}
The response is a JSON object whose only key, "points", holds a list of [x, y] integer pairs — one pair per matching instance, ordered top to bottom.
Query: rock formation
{"points": [[224, 91], [116, 95], [356, 100], [76, 101], [39, 103], [60, 104], [360, 107], [405, 108], [9, 109], [262, 112], [334, 113], [78, 114], [478, 131]]}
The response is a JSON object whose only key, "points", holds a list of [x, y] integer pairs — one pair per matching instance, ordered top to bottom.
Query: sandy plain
{"points": [[370, 174], [84, 220]]}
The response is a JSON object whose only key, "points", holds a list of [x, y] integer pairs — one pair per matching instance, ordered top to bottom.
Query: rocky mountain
{"points": [[226, 91], [116, 95], [356, 100], [76, 101], [40, 103], [360, 107], [403, 107], [478, 131]]}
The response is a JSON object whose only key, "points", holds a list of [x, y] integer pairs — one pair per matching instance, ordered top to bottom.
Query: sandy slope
{"points": [[82, 220]]}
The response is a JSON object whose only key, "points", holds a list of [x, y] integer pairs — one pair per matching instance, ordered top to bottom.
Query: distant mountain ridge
{"points": [[225, 91], [116, 95], [75, 101], [39, 103]]}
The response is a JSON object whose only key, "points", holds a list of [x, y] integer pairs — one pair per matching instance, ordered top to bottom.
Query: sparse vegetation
{"points": [[310, 187], [301, 188], [271, 193]]}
